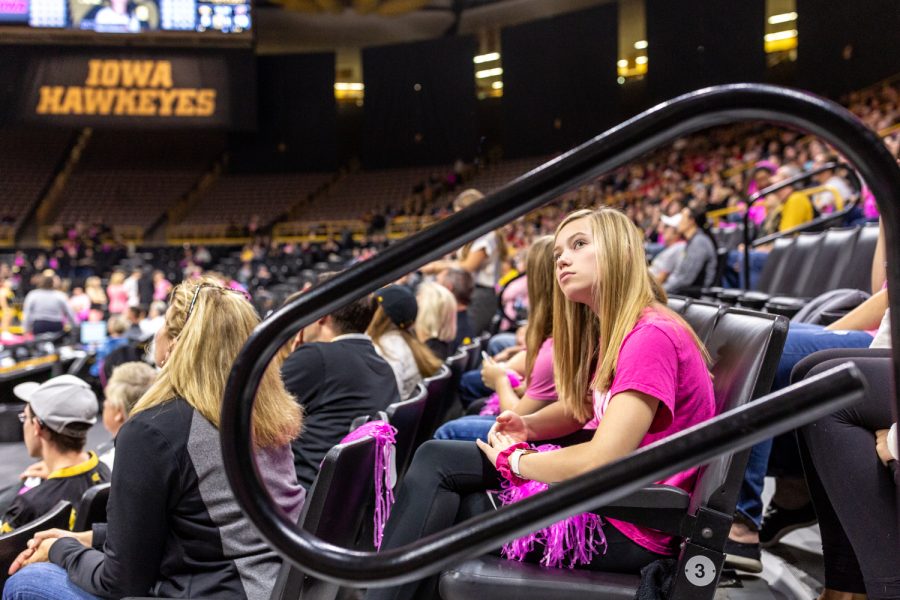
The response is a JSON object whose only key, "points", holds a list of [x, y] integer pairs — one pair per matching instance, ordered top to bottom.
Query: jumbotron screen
{"points": [[130, 16]]}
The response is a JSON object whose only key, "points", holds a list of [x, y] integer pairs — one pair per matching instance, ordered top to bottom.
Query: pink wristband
{"points": [[503, 463]]}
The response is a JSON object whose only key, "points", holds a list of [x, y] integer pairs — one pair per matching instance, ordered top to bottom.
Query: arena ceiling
{"points": [[309, 25]]}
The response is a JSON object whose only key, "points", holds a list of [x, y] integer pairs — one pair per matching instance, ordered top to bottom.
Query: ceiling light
{"points": [[782, 18], [781, 35], [640, 45], [483, 58], [641, 60], [622, 64], [495, 72], [497, 85], [349, 87]]}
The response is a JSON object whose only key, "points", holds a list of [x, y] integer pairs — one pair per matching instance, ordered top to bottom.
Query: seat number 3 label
{"points": [[700, 571]]}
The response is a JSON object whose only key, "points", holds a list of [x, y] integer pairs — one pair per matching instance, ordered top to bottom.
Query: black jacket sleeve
{"points": [[145, 476]]}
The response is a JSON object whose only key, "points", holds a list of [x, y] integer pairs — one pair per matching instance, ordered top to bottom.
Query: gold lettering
{"points": [[109, 73], [136, 73], [162, 75], [93, 79], [51, 98], [127, 99], [98, 101], [167, 102], [206, 102], [146, 103], [72, 105], [185, 105]]}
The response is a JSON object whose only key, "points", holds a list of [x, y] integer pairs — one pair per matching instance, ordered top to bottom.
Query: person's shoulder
{"points": [[655, 327], [160, 424]]}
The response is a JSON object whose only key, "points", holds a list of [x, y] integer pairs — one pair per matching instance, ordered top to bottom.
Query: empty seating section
{"points": [[28, 161], [497, 175], [133, 179], [367, 191], [238, 198], [803, 267]]}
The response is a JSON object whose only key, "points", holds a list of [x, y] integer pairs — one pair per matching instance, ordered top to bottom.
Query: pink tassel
{"points": [[492, 406], [385, 439], [568, 543]]}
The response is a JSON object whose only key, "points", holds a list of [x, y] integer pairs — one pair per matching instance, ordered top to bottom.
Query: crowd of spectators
{"points": [[168, 481]]}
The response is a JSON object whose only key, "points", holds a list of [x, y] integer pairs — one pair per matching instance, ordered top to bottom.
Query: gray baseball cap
{"points": [[60, 402]]}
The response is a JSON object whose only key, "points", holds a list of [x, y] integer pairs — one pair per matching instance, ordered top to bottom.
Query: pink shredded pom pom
{"points": [[492, 406], [385, 439], [570, 542]]}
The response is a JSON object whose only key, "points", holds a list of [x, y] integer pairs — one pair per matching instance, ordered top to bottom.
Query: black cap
{"points": [[399, 304]]}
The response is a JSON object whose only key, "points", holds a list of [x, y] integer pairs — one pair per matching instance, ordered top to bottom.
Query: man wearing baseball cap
{"points": [[668, 259], [55, 422]]}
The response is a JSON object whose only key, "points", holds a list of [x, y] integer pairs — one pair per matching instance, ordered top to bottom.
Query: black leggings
{"points": [[446, 484], [853, 493]]}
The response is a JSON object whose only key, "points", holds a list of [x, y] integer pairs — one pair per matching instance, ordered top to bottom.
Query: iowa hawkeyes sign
{"points": [[153, 91]]}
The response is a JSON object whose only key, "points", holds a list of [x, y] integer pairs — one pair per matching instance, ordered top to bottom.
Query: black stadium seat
{"points": [[702, 317], [745, 347], [440, 394], [406, 417], [92, 508], [12, 543]]}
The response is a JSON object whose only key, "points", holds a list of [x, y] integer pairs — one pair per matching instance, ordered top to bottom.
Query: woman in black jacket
{"points": [[174, 527]]}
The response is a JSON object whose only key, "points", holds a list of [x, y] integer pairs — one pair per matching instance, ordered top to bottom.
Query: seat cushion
{"points": [[490, 577]]}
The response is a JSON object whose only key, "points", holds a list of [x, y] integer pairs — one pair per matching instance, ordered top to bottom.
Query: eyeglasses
{"points": [[210, 285], [23, 417]]}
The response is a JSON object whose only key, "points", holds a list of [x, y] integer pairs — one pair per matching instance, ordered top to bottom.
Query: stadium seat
{"points": [[678, 303], [702, 317], [745, 347], [472, 350], [440, 394], [407, 416], [92, 508], [334, 511], [12, 543]]}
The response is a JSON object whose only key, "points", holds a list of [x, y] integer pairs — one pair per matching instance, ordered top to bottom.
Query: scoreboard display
{"points": [[130, 16]]}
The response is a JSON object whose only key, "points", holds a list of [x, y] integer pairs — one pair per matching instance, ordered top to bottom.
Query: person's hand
{"points": [[507, 353], [491, 372], [511, 425], [497, 443], [881, 446], [38, 469], [38, 547]]}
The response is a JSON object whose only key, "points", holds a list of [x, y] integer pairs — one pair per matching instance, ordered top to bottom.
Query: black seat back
{"points": [[834, 258], [802, 264], [775, 271], [858, 273], [678, 303], [702, 317], [745, 347], [471, 349], [440, 394], [406, 417], [92, 508], [334, 511], [14, 542]]}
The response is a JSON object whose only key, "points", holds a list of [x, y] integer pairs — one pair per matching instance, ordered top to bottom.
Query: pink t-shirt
{"points": [[659, 358], [541, 385]]}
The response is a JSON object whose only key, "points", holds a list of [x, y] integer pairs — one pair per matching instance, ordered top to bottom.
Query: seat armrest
{"points": [[753, 300], [785, 305], [662, 507]]}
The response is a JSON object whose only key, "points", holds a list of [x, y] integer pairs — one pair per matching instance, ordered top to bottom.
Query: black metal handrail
{"points": [[658, 126], [854, 178]]}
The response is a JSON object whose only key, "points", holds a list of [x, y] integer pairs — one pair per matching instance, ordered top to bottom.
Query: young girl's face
{"points": [[576, 265]]}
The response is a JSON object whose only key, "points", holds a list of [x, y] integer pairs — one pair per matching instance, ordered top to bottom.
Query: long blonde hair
{"points": [[539, 268], [437, 313], [585, 343], [204, 347], [427, 363]]}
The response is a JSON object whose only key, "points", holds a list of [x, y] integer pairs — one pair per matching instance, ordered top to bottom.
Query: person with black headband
{"points": [[698, 267], [391, 331]]}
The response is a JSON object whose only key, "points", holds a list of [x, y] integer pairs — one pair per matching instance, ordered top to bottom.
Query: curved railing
{"points": [[616, 147]]}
